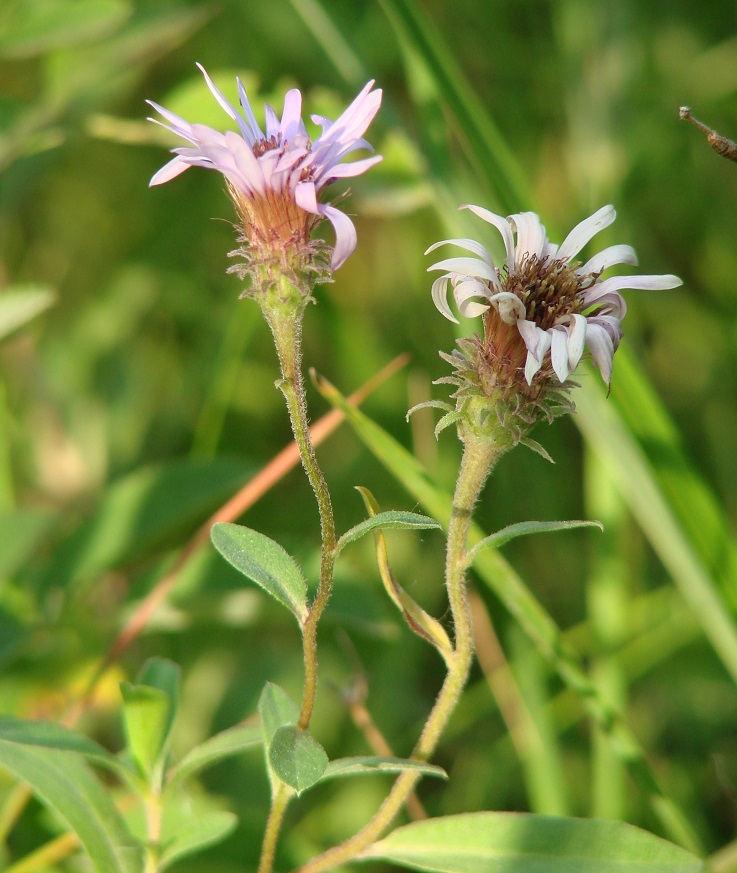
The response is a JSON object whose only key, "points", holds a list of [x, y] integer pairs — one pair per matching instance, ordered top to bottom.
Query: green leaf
{"points": [[34, 28], [19, 305], [141, 513], [385, 520], [523, 528], [21, 533], [264, 562], [419, 621], [164, 675], [276, 708], [149, 709], [145, 715], [51, 735], [229, 742], [297, 758], [371, 765], [63, 781], [203, 831], [521, 843]]}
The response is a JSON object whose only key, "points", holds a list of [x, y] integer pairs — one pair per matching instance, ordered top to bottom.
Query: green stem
{"points": [[286, 328], [479, 456], [279, 804]]}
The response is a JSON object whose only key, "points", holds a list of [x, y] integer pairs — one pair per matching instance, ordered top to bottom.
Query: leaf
{"points": [[34, 28], [20, 304], [141, 513], [384, 520], [523, 528], [21, 533], [264, 562], [418, 621], [164, 675], [276, 708], [149, 709], [145, 712], [50, 735], [229, 742], [297, 758], [370, 765], [63, 781], [203, 831], [521, 843]]}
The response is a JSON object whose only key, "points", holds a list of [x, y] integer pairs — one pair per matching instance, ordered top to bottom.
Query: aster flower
{"points": [[276, 177], [542, 309]]}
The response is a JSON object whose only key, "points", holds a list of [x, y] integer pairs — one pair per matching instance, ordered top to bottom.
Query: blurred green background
{"points": [[147, 362]]}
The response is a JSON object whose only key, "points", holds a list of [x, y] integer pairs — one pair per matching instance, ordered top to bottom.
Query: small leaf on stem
{"points": [[523, 528], [264, 562], [297, 758]]}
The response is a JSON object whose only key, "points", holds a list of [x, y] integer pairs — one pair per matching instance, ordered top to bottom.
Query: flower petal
{"points": [[226, 105], [291, 118], [255, 132], [354, 168], [169, 171], [305, 197], [502, 225], [584, 232], [345, 234], [531, 239], [469, 244], [621, 254], [467, 267], [639, 283], [467, 289], [439, 294], [510, 308], [576, 340], [602, 350], [559, 353], [535, 359]]}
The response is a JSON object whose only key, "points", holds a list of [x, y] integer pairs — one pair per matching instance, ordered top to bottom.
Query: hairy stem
{"points": [[286, 326], [286, 329], [478, 459], [279, 804]]}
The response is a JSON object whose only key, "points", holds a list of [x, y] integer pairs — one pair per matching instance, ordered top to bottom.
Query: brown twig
{"points": [[720, 144]]}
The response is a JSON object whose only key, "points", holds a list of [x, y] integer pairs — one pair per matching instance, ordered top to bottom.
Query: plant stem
{"points": [[286, 328], [479, 456], [279, 804]]}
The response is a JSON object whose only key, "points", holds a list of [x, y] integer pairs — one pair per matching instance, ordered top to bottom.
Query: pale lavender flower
{"points": [[276, 177], [556, 307]]}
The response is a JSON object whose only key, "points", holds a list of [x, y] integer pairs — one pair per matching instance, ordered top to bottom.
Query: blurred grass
{"points": [[556, 106]]}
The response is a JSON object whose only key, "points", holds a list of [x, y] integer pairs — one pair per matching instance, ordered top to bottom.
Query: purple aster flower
{"points": [[276, 178], [542, 309]]}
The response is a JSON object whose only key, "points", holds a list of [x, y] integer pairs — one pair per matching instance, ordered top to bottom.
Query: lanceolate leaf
{"points": [[19, 305], [384, 521], [522, 528], [264, 562], [419, 621], [145, 714], [52, 736], [229, 742], [371, 765], [64, 782], [204, 831], [505, 842]]}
